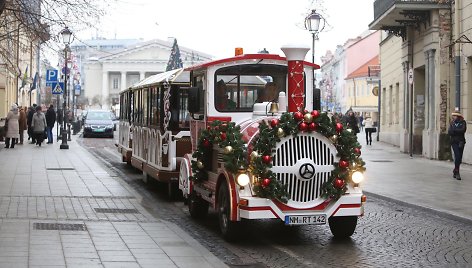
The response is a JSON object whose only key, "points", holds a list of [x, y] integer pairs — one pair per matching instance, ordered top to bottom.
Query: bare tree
{"points": [[40, 21]]}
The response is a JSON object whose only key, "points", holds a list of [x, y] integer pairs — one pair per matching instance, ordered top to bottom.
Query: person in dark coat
{"points": [[29, 119], [50, 121], [351, 121], [22, 123], [456, 131]]}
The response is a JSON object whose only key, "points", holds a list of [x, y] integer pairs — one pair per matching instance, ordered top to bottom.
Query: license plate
{"points": [[99, 130], [301, 220]]}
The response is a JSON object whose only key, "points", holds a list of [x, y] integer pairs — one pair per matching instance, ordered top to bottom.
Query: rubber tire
{"points": [[197, 207], [342, 227], [229, 229]]}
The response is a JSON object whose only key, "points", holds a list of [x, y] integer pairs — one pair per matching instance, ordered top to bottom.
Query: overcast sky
{"points": [[216, 27]]}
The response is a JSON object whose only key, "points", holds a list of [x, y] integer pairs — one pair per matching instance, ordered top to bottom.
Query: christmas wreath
{"points": [[228, 137], [345, 141]]}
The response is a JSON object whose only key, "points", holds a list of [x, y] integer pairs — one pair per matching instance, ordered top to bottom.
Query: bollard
{"points": [[68, 132], [64, 144]]}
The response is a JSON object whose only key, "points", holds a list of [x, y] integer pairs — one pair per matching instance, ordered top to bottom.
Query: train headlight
{"points": [[357, 177], [242, 179]]}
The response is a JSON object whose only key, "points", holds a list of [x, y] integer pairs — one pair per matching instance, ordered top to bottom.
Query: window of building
{"points": [[115, 83]]}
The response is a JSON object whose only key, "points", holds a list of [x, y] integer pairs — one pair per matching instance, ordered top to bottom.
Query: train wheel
{"points": [[197, 207], [342, 227], [228, 228]]}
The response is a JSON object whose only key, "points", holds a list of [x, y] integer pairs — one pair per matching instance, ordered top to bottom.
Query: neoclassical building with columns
{"points": [[105, 76]]}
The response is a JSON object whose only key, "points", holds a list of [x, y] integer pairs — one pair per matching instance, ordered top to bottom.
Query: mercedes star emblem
{"points": [[307, 171]]}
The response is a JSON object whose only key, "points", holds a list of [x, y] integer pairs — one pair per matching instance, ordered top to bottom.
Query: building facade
{"points": [[19, 57], [426, 64], [107, 75], [346, 81]]}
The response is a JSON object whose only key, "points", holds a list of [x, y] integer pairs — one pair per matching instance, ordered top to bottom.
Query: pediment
{"points": [[141, 52]]}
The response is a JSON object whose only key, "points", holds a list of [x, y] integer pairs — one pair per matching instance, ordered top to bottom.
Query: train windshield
{"points": [[237, 88]]}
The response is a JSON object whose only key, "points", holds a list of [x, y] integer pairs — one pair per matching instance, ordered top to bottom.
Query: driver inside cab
{"points": [[222, 101]]}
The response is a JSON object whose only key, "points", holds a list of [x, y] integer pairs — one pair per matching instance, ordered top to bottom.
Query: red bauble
{"points": [[305, 111], [315, 114], [298, 116], [274, 122], [303, 126], [312, 127], [339, 127], [223, 136], [206, 142], [357, 151], [266, 159], [343, 164], [265, 182], [338, 183]]}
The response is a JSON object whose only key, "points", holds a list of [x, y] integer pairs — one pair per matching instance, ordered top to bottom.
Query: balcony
{"points": [[395, 15]]}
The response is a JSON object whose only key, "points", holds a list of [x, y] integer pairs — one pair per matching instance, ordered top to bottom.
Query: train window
{"points": [[237, 88], [145, 104], [154, 107], [184, 116]]}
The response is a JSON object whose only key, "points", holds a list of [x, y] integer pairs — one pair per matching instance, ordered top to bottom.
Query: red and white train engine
{"points": [[260, 151]]}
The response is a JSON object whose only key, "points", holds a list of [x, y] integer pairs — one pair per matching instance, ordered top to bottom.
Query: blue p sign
{"points": [[51, 75]]}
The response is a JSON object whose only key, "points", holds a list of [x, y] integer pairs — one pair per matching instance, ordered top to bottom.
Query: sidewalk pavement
{"points": [[418, 181], [62, 208]]}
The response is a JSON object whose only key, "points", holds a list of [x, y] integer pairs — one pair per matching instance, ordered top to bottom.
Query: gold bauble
{"points": [[308, 118], [280, 133], [334, 138], [228, 149], [254, 155], [200, 165]]}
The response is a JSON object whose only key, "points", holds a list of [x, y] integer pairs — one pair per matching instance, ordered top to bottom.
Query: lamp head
{"points": [[312, 21], [66, 35]]}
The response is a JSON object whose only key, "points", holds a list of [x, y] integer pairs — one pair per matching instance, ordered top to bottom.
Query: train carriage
{"points": [[154, 126]]}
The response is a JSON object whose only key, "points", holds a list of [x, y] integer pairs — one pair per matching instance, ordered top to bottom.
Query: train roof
{"points": [[260, 56], [172, 76]]}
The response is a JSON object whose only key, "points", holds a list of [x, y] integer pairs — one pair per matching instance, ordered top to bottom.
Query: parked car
{"points": [[98, 123]]}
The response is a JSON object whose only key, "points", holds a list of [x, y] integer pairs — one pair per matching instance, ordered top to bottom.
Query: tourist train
{"points": [[241, 135]]}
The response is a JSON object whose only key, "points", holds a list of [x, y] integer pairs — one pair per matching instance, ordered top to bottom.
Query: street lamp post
{"points": [[312, 24], [66, 36]]}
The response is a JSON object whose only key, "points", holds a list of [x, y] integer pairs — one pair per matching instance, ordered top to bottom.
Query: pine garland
{"points": [[228, 137]]}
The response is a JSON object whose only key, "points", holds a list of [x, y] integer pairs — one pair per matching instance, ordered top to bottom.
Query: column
{"points": [[142, 75], [123, 80], [105, 90], [427, 91], [406, 99], [432, 101]]}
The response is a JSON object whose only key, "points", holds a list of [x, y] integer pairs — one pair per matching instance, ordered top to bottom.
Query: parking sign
{"points": [[51, 75]]}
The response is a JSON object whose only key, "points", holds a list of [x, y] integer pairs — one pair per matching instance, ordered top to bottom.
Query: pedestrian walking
{"points": [[29, 119], [50, 120], [351, 121], [22, 123], [38, 125], [369, 129], [456, 131], [11, 138]]}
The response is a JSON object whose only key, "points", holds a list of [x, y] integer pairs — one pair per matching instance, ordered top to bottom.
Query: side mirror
{"points": [[193, 100]]}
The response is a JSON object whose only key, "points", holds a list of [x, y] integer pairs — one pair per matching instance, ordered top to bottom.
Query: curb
{"points": [[423, 208]]}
